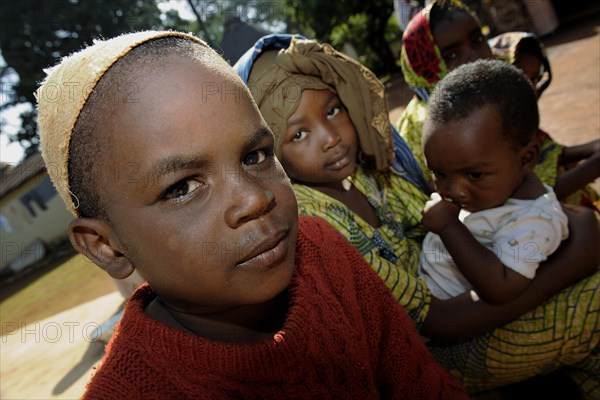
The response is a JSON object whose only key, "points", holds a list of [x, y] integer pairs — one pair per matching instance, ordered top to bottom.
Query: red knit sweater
{"points": [[344, 337]]}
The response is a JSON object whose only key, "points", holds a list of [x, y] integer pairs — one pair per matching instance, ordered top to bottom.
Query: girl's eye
{"points": [[333, 111], [300, 135], [256, 157], [476, 176], [182, 189]]}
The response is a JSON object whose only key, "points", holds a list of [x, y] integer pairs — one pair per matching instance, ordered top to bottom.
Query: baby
{"points": [[158, 149], [493, 221]]}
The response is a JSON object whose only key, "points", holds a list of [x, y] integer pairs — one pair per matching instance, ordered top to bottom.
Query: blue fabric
{"points": [[269, 42], [404, 163]]}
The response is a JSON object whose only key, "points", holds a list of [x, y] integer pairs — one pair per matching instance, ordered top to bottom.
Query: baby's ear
{"points": [[530, 155], [93, 238]]}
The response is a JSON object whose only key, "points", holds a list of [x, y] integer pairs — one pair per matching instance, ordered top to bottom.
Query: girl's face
{"points": [[460, 40], [320, 142], [473, 164]]}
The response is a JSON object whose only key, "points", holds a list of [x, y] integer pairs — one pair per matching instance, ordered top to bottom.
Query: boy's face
{"points": [[460, 40], [320, 143], [472, 163], [196, 199]]}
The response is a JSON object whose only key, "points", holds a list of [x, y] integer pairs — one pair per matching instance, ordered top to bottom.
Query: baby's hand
{"points": [[438, 213]]}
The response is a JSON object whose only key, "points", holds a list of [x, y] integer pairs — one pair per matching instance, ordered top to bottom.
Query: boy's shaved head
{"points": [[102, 79], [486, 82], [119, 85]]}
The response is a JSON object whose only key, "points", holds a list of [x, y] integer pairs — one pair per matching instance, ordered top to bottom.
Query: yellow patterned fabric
{"points": [[410, 127], [550, 151], [549, 168], [393, 248], [564, 332]]}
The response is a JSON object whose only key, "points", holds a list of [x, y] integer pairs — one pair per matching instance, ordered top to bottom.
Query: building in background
{"points": [[33, 218]]}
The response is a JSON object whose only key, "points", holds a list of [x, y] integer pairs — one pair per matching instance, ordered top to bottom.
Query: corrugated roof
{"points": [[14, 178]]}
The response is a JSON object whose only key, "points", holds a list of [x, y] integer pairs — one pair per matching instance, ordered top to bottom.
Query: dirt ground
{"points": [[54, 358]]}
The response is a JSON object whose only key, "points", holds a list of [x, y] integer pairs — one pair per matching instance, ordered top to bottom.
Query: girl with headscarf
{"points": [[439, 38], [386, 229]]}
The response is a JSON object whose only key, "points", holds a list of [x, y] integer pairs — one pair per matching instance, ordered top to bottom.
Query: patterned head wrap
{"points": [[506, 47], [421, 59], [277, 80], [65, 91]]}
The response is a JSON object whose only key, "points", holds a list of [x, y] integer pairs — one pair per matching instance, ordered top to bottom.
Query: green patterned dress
{"points": [[395, 243], [563, 332]]}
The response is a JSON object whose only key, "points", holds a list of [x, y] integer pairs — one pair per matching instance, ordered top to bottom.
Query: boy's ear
{"points": [[530, 155], [93, 238]]}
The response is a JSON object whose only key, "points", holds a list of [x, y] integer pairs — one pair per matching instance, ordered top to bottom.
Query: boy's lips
{"points": [[340, 161], [268, 252]]}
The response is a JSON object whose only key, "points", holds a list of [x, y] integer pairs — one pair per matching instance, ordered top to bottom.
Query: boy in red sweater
{"points": [[159, 150]]}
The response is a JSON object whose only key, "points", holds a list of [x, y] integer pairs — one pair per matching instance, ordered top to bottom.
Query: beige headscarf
{"points": [[277, 80], [65, 91]]}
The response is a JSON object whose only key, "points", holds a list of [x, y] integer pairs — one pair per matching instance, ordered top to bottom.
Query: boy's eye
{"points": [[333, 111], [300, 135], [256, 157], [476, 176], [182, 188]]}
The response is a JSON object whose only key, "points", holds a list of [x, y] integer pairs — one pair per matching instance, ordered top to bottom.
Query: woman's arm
{"points": [[580, 152], [577, 177], [461, 318]]}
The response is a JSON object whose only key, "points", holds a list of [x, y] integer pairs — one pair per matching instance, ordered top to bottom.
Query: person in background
{"points": [[318, 100], [569, 169]]}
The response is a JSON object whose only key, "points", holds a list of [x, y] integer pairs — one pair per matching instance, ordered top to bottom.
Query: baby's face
{"points": [[320, 143], [472, 163], [195, 194]]}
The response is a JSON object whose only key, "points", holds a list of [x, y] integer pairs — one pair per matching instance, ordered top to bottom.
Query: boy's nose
{"points": [[456, 191], [459, 194], [247, 200]]}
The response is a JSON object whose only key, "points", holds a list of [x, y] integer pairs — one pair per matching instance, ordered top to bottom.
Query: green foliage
{"points": [[212, 15], [363, 24], [35, 34]]}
